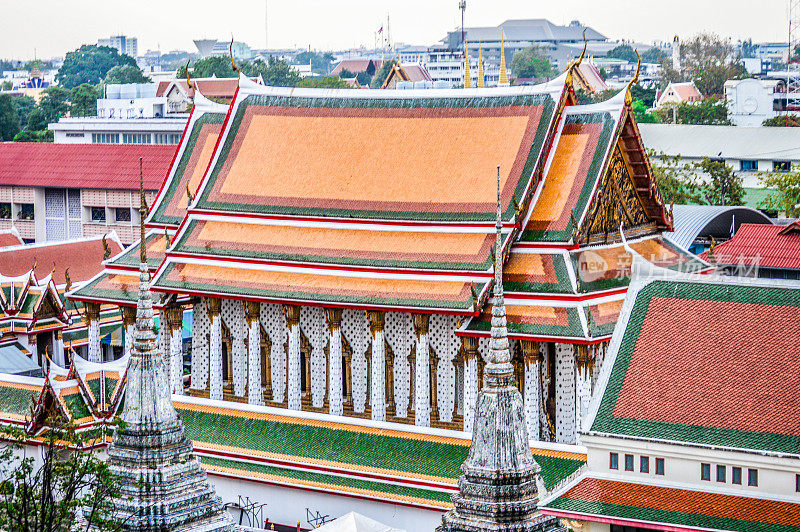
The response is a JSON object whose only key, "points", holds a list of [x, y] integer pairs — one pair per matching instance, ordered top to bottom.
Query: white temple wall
{"points": [[274, 322], [201, 327], [355, 329], [445, 344], [565, 393], [287, 505]]}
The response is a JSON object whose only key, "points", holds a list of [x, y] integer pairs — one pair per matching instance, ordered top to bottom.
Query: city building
{"points": [[123, 44], [357, 66], [409, 73], [180, 93], [678, 93], [132, 100], [752, 100], [115, 130], [52, 192], [697, 227], [760, 250], [693, 427]]}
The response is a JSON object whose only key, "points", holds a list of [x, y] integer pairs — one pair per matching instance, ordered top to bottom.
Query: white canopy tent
{"points": [[354, 522]]}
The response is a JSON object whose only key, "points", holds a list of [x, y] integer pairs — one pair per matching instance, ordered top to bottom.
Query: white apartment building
{"points": [[122, 43]]}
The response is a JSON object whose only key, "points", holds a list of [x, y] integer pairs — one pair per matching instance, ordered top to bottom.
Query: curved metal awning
{"points": [[693, 221]]}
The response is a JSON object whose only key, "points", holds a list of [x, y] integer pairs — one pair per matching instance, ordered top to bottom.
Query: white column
{"points": [[93, 316], [174, 320], [293, 321], [129, 325], [200, 328], [215, 349], [544, 354], [532, 358], [584, 362], [239, 364], [378, 377], [422, 382], [471, 384], [565, 393], [255, 396], [335, 399]]}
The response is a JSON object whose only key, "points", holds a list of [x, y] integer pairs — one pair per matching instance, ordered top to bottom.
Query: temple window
{"points": [[613, 461], [628, 462], [644, 464], [659, 466], [721, 470], [705, 471], [736, 475], [752, 477], [797, 483]]}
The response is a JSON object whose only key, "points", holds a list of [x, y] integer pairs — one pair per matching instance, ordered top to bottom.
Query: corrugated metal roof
{"points": [[731, 142], [104, 166], [693, 221], [762, 245]]}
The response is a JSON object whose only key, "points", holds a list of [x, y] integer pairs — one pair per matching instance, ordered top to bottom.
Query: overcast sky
{"points": [[53, 27]]}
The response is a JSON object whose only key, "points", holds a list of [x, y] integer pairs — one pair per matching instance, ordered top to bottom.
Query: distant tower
{"points": [[676, 53], [467, 76], [503, 81], [481, 82], [162, 486], [498, 491]]}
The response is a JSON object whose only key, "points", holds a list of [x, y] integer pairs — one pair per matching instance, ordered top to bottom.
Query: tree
{"points": [[748, 49], [624, 52], [653, 55], [709, 61], [531, 62], [320, 63], [90, 64], [216, 65], [275, 72], [126, 74], [346, 74], [381, 74], [364, 78], [327, 82], [6, 85], [648, 96], [84, 100], [54, 103], [24, 105], [708, 111], [643, 114], [9, 119], [782, 120], [37, 121], [26, 135], [675, 179], [719, 184], [784, 192], [49, 497]]}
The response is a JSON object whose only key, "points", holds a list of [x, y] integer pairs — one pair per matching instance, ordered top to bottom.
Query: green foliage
{"points": [[748, 49], [624, 52], [653, 55], [709, 61], [531, 62], [320, 63], [90, 64], [42, 65], [219, 66], [275, 72], [344, 73], [603, 73], [126, 74], [381, 74], [364, 78], [327, 82], [6, 85], [648, 96], [84, 100], [54, 103], [24, 105], [708, 111], [643, 113], [9, 119], [782, 120], [37, 121], [26, 135], [675, 179], [720, 185], [784, 192], [47, 494]]}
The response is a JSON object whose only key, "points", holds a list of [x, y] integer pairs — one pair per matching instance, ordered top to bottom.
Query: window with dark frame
{"points": [[748, 165], [781, 166], [5, 211], [25, 211], [98, 214], [123, 215], [613, 461], [628, 462], [644, 464], [659, 466], [721, 470], [705, 471], [736, 475], [752, 477], [797, 483]]}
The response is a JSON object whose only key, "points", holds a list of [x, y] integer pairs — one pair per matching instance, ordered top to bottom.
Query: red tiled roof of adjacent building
{"points": [[356, 66], [208, 87], [104, 166], [10, 238], [768, 246], [83, 257], [633, 504]]}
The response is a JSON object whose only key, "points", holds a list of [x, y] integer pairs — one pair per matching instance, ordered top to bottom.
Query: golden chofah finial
{"points": [[583, 53], [233, 64], [575, 64], [467, 76], [188, 79], [634, 80], [503, 81], [481, 82], [189, 195], [142, 215], [166, 236], [106, 249], [67, 279]]}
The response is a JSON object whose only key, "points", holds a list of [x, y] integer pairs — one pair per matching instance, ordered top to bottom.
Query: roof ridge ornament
{"points": [[230, 51], [575, 64], [467, 76], [188, 79], [634, 80], [503, 81], [481, 82], [142, 215]]}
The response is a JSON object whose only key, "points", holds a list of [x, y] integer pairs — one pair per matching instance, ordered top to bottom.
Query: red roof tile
{"points": [[355, 66], [209, 87], [104, 166], [10, 238], [769, 246], [82, 257]]}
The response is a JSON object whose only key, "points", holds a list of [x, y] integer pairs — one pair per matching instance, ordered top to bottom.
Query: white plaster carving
{"points": [[274, 322], [312, 323], [201, 326], [355, 329], [399, 331], [445, 344], [565, 393]]}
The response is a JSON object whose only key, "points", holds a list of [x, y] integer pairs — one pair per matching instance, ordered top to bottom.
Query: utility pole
{"points": [[266, 24]]}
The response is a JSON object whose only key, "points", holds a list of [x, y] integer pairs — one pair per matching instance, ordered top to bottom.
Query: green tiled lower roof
{"points": [[131, 255], [561, 286], [91, 291], [572, 329], [15, 400], [76, 406], [348, 447], [333, 481], [675, 517]]}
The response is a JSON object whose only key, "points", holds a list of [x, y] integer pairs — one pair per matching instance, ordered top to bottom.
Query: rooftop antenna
{"points": [[462, 5]]}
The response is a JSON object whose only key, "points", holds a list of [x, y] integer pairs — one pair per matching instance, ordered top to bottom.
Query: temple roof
{"points": [[768, 246], [695, 360], [634, 504]]}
